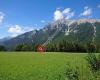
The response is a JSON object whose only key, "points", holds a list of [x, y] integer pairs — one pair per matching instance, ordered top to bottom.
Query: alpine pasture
{"points": [[42, 66]]}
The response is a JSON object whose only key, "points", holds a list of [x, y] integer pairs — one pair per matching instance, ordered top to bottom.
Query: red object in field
{"points": [[40, 48]]}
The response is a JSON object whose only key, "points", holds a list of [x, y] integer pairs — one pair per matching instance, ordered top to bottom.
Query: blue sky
{"points": [[19, 16]]}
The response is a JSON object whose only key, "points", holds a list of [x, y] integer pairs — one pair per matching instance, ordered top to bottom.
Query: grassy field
{"points": [[36, 66]]}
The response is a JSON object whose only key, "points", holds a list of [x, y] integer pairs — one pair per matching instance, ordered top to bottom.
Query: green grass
{"points": [[36, 66]]}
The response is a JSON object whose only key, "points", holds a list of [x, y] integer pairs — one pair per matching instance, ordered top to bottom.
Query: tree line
{"points": [[62, 46]]}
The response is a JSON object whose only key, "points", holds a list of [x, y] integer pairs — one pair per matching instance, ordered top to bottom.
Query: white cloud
{"points": [[98, 6], [59, 8], [87, 11], [67, 13], [58, 15], [70, 15], [1, 17], [43, 21], [36, 25], [27, 29], [17, 30], [14, 35]]}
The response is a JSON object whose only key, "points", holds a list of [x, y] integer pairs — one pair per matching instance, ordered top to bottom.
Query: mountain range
{"points": [[81, 31]]}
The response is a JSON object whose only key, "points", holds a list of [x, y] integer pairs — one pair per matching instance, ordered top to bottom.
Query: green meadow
{"points": [[42, 66]]}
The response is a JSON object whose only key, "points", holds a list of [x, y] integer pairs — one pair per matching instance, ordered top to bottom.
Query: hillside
{"points": [[83, 31]]}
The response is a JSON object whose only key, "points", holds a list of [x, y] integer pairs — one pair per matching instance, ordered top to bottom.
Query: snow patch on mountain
{"points": [[72, 27], [94, 34]]}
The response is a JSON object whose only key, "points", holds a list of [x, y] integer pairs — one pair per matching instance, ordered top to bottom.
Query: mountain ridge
{"points": [[82, 30]]}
